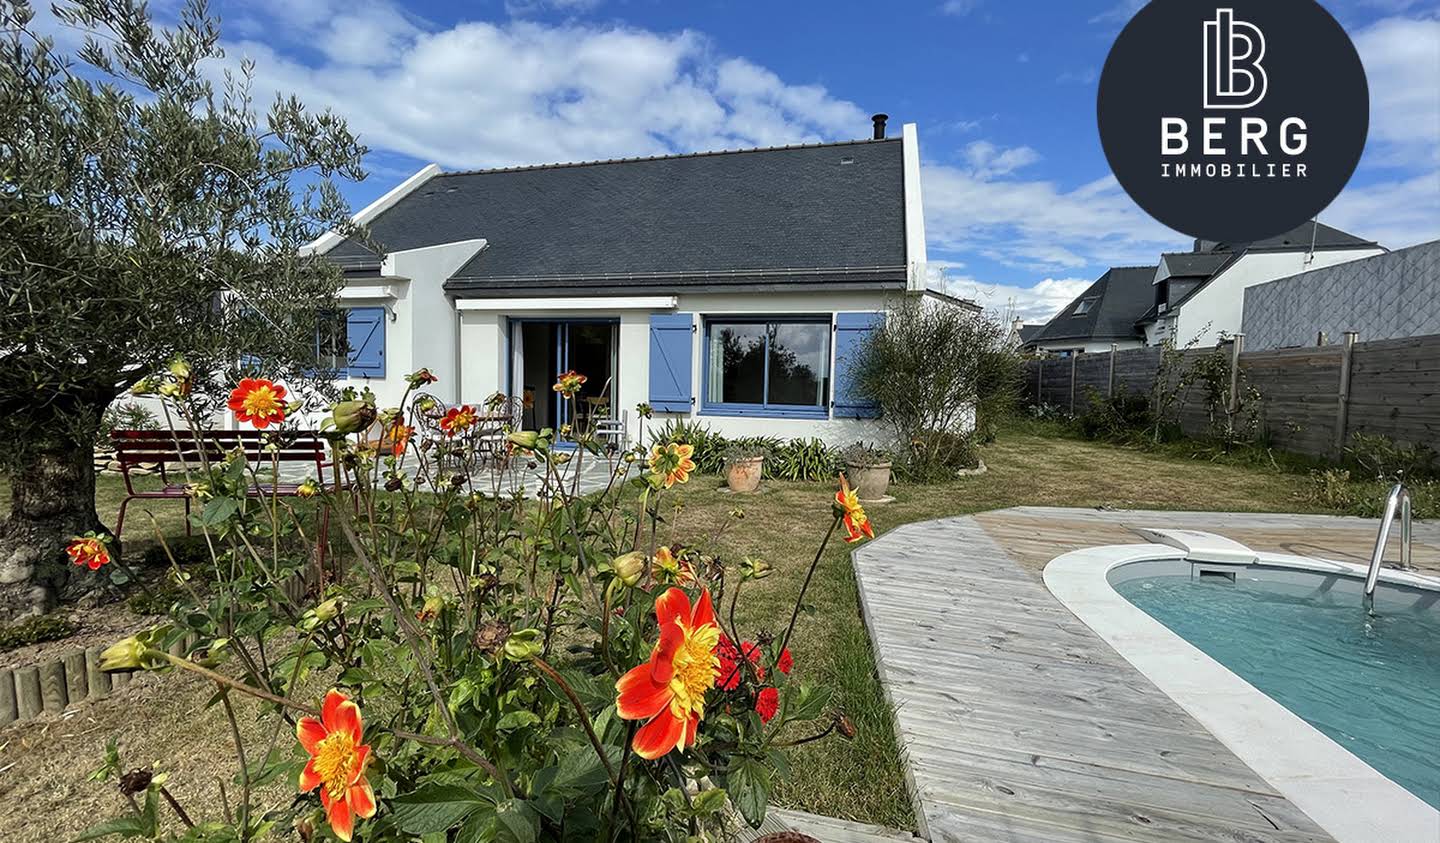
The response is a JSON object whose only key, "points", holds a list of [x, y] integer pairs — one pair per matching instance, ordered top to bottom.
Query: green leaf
{"points": [[217, 511], [516, 720], [581, 771], [749, 786], [709, 801], [435, 807], [516, 822], [124, 826]]}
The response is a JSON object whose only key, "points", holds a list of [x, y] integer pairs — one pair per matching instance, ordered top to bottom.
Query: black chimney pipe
{"points": [[879, 120]]}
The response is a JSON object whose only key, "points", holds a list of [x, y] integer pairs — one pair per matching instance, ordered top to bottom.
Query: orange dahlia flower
{"points": [[569, 383], [258, 401], [458, 420], [400, 434], [671, 462], [847, 506], [88, 551], [671, 570], [668, 691], [337, 763]]}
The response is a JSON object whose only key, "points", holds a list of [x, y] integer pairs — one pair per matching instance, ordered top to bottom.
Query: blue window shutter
{"points": [[851, 331], [365, 333], [672, 343]]}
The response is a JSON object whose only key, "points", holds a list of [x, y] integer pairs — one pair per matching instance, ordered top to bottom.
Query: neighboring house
{"points": [[729, 287], [1201, 294], [1389, 296], [1103, 315], [1021, 334]]}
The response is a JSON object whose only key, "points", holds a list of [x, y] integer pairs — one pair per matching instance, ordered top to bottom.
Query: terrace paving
{"points": [[1020, 724]]}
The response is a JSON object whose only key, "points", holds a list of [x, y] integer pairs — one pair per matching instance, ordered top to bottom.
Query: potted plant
{"points": [[744, 464], [868, 469]]}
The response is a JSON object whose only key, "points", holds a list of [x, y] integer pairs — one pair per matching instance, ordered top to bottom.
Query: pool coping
{"points": [[1345, 796]]}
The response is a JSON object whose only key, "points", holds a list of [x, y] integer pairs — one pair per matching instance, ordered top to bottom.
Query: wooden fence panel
{"points": [[1394, 390]]}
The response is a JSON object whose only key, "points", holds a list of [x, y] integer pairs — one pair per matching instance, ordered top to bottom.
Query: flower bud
{"points": [[180, 369], [352, 416], [524, 439], [394, 484], [630, 567], [431, 609], [328, 610], [524, 645], [126, 655]]}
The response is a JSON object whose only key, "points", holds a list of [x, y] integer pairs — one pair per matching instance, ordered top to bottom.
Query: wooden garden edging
{"points": [[52, 686]]}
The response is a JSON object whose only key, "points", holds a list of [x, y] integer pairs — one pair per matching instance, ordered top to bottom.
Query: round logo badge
{"points": [[1233, 121]]}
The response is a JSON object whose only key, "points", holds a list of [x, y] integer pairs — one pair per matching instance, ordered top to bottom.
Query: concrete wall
{"points": [[1389, 296], [1217, 309]]}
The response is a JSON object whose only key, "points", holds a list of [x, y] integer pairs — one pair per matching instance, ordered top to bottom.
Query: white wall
{"points": [[1219, 306], [1089, 347]]}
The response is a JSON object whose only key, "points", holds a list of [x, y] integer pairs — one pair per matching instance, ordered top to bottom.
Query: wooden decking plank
{"points": [[1018, 722]]}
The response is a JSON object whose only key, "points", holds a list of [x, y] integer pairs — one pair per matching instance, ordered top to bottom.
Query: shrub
{"points": [[937, 371], [124, 415], [1121, 417], [862, 454], [1383, 458], [803, 459], [36, 629], [504, 648]]}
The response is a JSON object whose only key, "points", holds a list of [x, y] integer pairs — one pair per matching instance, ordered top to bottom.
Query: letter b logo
{"points": [[1233, 50]]}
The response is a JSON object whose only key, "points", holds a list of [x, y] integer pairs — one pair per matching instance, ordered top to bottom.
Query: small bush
{"points": [[124, 416], [1121, 417], [1382, 458], [804, 459], [1337, 490], [36, 629]]}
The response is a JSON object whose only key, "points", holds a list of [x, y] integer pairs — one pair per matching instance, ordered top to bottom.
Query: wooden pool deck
{"points": [[1019, 724]]}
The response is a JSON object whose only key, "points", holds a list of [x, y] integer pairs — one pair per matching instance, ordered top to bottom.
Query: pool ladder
{"points": [[1398, 499]]}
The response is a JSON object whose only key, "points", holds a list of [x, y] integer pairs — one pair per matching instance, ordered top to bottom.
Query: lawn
{"points": [[45, 763]]}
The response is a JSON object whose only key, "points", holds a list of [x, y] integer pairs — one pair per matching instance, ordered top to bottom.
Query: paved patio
{"points": [[1020, 724]]}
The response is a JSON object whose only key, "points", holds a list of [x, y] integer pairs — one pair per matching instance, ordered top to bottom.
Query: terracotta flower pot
{"points": [[744, 475], [869, 480]]}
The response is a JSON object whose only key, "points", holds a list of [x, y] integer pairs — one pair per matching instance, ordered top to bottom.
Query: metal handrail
{"points": [[1399, 498]]}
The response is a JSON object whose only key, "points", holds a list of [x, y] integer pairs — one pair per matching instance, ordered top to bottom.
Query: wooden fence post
{"points": [[1237, 346], [1074, 358], [1040, 381], [1110, 384], [1342, 403]]}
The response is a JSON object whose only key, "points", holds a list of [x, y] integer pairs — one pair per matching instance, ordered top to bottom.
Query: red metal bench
{"points": [[165, 447]]}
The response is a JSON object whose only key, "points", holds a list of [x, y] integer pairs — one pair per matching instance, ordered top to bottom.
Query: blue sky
{"points": [[1020, 204]]}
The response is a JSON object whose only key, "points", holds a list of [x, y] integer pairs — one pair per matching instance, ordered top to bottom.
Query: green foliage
{"points": [[934, 370], [123, 415], [1122, 417], [1382, 458], [794, 459], [803, 459], [36, 629], [483, 634]]}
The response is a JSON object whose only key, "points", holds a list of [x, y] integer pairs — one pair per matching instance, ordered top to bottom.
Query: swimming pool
{"points": [[1369, 681], [1336, 708]]}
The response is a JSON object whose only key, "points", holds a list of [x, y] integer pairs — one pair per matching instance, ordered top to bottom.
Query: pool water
{"points": [[1371, 683]]}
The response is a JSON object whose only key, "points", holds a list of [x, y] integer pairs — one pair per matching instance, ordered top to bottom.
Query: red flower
{"points": [[569, 383], [259, 402], [458, 420], [88, 551], [785, 663], [731, 670], [668, 691], [767, 703], [337, 763]]}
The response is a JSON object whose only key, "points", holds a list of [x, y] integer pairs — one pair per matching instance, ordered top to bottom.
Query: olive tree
{"points": [[147, 210], [942, 376]]}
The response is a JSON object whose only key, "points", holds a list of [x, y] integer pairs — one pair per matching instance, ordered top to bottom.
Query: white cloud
{"points": [[959, 7], [521, 8], [1119, 13], [1402, 62], [482, 94], [987, 159], [1033, 304]]}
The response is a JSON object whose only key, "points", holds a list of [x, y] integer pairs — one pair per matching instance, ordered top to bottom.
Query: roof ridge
{"points": [[566, 164]]}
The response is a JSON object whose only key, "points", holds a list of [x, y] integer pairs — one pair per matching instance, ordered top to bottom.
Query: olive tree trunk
{"points": [[52, 499]]}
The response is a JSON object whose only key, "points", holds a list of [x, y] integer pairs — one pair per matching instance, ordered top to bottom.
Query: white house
{"points": [[729, 287], [1201, 294]]}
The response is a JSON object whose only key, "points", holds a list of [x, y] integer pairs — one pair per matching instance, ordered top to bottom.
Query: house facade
{"points": [[731, 288], [1200, 295], [1390, 296]]}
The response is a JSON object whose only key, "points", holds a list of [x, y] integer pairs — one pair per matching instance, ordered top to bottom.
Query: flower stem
{"points": [[800, 600]]}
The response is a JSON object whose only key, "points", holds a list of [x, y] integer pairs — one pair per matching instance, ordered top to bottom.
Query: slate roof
{"points": [[830, 215], [1301, 237], [1195, 264], [1118, 297]]}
